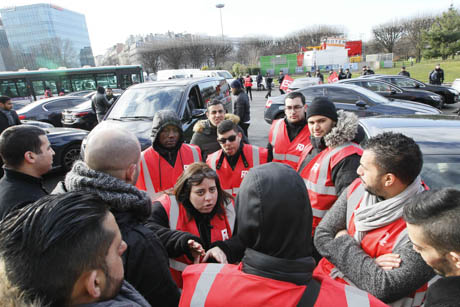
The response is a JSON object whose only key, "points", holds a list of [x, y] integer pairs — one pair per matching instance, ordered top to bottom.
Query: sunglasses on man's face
{"points": [[231, 138]]}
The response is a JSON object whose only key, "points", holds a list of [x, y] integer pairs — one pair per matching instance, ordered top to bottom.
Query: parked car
{"points": [[215, 73], [302, 83], [456, 84], [392, 91], [90, 93], [450, 95], [351, 98], [135, 108], [49, 110], [82, 116], [438, 138], [66, 143]]}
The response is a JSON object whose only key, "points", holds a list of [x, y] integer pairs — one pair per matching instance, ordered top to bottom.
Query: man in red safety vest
{"points": [[248, 85], [288, 136], [236, 158], [166, 159], [329, 163], [274, 222], [363, 238]]}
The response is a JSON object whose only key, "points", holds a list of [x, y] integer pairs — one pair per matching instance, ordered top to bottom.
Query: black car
{"points": [[392, 91], [450, 95], [351, 98], [135, 108], [49, 110], [82, 116], [438, 138], [66, 143]]}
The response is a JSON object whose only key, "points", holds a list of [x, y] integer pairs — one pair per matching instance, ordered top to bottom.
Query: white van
{"points": [[215, 73]]}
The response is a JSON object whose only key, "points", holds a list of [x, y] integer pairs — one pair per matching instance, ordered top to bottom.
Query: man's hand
{"points": [[341, 233], [196, 249], [217, 254], [388, 261]]}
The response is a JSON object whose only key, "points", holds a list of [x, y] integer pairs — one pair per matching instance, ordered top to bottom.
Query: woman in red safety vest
{"points": [[248, 85], [196, 220]]}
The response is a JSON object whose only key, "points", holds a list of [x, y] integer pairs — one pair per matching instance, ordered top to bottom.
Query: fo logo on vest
{"points": [[300, 147], [315, 167], [243, 173], [225, 234], [384, 240]]}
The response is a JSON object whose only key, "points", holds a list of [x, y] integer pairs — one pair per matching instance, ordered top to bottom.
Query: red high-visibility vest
{"points": [[247, 82], [285, 151], [157, 175], [317, 176], [230, 180], [222, 229], [375, 243], [210, 285]]}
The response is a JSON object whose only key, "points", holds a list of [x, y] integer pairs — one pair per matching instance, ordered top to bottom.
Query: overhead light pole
{"points": [[220, 6]]}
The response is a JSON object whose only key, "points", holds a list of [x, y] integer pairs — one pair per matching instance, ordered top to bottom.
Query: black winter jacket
{"points": [[241, 107], [4, 120], [17, 190], [445, 292]]}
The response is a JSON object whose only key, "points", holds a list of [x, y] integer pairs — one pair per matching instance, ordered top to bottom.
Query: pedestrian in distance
{"points": [[404, 72], [308, 74], [341, 74], [347, 74], [319, 75], [437, 75], [259, 80], [280, 81], [268, 85], [248, 86], [100, 104], [241, 106], [8, 116], [196, 221], [274, 223], [432, 225]]}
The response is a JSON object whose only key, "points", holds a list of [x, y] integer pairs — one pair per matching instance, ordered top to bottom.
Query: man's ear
{"points": [[240, 135], [30, 157], [130, 172], [389, 179], [455, 257], [93, 283]]}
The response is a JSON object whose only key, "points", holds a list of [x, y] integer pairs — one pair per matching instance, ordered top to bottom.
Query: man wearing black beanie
{"points": [[328, 165]]}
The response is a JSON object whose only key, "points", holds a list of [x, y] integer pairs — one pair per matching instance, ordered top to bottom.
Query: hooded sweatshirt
{"points": [[162, 119], [274, 222]]}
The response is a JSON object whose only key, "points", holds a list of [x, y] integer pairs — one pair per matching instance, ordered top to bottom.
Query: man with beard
{"points": [[205, 131], [288, 136], [166, 159], [235, 159], [329, 163], [110, 170], [274, 223], [432, 224], [363, 237], [66, 250]]}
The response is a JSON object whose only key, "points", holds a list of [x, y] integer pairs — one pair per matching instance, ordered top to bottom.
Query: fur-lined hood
{"points": [[201, 125], [345, 130], [11, 296]]}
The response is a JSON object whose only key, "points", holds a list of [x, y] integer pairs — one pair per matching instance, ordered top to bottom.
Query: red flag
{"points": [[333, 78], [286, 82]]}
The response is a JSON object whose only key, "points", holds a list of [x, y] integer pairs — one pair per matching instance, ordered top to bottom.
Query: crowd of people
{"points": [[320, 217]]}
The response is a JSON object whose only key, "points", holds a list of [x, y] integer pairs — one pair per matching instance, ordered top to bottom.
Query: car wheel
{"points": [[441, 104], [279, 115], [69, 156]]}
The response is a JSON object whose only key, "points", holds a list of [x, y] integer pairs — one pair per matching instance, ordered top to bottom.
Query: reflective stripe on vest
{"points": [[275, 133], [196, 156], [214, 160], [147, 179], [320, 185], [232, 191], [353, 201], [231, 215], [173, 218], [204, 284], [356, 297]]}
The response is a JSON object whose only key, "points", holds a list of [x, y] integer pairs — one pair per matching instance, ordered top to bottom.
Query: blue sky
{"points": [[113, 21]]}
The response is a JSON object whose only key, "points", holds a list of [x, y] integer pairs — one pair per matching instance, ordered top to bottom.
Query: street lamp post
{"points": [[220, 6]]}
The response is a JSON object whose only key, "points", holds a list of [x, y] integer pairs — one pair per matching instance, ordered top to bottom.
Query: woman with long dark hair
{"points": [[196, 220]]}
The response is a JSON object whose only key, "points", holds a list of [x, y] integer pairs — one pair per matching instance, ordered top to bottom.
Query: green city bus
{"points": [[23, 86]]}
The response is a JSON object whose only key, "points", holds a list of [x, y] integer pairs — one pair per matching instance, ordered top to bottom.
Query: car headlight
{"points": [[453, 91], [437, 98]]}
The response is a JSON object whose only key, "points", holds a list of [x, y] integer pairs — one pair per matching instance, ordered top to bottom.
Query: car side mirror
{"points": [[393, 92], [361, 104], [196, 113]]}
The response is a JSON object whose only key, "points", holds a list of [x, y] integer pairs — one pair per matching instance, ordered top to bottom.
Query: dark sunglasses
{"points": [[231, 138]]}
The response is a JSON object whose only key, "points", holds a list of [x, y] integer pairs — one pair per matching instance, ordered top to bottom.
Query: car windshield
{"points": [[225, 74], [371, 95], [145, 102], [440, 171]]}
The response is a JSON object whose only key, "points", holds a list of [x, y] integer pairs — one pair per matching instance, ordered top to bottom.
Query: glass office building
{"points": [[46, 35]]}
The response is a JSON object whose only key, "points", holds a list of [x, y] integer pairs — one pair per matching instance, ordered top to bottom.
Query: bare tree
{"points": [[414, 27], [388, 34], [195, 50], [218, 50], [59, 53], [173, 53], [151, 59]]}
